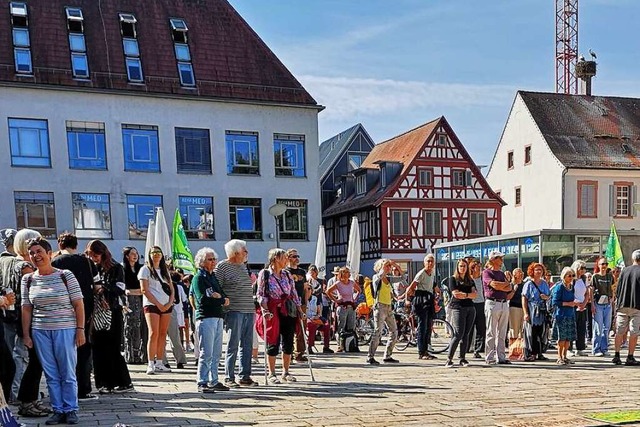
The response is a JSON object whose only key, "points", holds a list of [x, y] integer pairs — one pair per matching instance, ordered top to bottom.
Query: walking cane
{"points": [[264, 325], [304, 334]]}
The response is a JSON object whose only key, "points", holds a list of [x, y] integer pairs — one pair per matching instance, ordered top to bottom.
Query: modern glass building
{"points": [[555, 249]]}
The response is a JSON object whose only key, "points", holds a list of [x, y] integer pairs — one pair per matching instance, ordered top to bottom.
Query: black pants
{"points": [[423, 309], [462, 320], [589, 322], [480, 328], [287, 331], [581, 331], [534, 339], [7, 366], [84, 366], [109, 367], [30, 384]]}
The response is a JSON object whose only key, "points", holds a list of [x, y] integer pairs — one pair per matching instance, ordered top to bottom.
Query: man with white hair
{"points": [[236, 284], [498, 290], [628, 310]]}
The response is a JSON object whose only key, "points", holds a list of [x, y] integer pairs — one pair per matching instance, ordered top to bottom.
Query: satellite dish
{"points": [[277, 209]]}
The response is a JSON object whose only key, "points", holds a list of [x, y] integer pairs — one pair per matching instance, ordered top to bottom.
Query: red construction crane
{"points": [[566, 46]]}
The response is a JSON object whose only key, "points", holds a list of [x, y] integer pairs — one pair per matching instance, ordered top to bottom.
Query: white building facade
{"points": [[98, 162]]}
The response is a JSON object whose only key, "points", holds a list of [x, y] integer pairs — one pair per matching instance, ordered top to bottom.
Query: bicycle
{"points": [[406, 329], [441, 334]]}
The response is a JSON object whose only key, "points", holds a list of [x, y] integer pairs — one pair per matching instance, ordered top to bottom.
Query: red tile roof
{"points": [[229, 58], [588, 131], [402, 148]]}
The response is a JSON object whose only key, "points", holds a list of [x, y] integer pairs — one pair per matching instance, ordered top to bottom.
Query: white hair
{"points": [[20, 241], [234, 246], [201, 255], [636, 255], [429, 256], [379, 264], [577, 265], [565, 271]]}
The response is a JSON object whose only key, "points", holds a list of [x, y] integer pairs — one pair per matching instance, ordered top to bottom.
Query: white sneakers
{"points": [[156, 366]]}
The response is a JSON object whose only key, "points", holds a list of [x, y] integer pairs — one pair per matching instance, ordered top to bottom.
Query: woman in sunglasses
{"points": [[602, 295], [157, 301], [564, 315]]}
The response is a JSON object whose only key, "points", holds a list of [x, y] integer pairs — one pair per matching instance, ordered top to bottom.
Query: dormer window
{"points": [[21, 40], [77, 45], [131, 49], [183, 54], [383, 176], [361, 184]]}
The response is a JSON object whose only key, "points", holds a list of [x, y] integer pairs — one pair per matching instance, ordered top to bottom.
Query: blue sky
{"points": [[395, 64]]}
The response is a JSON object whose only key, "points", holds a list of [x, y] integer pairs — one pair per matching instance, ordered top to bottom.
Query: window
{"points": [[21, 42], [77, 45], [130, 47], [181, 48], [442, 140], [29, 141], [86, 144], [193, 150], [141, 152], [242, 153], [289, 155], [527, 155], [510, 160], [355, 161], [383, 176], [425, 177], [459, 178], [361, 184], [622, 195], [518, 196], [587, 199], [141, 209], [36, 211], [91, 215], [197, 217], [245, 218], [400, 223], [433, 223], [477, 223], [293, 224]]}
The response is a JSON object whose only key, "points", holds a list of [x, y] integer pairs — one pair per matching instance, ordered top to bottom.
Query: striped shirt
{"points": [[236, 283], [51, 299]]}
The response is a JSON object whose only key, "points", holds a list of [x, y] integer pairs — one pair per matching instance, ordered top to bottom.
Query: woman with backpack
{"points": [[535, 294], [279, 307], [53, 324], [109, 367]]}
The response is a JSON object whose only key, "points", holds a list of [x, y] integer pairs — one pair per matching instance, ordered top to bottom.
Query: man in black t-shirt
{"points": [[84, 270], [300, 279], [628, 310]]}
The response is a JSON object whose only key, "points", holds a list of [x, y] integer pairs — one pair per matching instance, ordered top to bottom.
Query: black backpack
{"points": [[349, 342]]}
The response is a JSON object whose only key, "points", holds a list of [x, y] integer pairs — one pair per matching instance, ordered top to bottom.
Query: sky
{"points": [[393, 65]]}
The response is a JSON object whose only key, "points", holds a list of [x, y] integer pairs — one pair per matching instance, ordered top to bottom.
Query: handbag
{"points": [[165, 288], [291, 307], [101, 317]]}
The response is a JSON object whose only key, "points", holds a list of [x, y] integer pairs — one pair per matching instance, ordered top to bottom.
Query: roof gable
{"points": [[229, 58], [588, 131], [333, 148]]}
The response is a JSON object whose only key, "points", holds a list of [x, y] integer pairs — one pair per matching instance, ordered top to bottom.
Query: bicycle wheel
{"points": [[364, 330], [440, 336], [405, 339]]}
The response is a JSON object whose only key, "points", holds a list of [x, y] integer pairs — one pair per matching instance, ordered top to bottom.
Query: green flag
{"points": [[614, 252], [182, 257]]}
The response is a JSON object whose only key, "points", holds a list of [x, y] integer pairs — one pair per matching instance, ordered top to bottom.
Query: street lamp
{"points": [[276, 212]]}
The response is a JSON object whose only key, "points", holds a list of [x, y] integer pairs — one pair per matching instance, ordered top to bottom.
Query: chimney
{"points": [[585, 71]]}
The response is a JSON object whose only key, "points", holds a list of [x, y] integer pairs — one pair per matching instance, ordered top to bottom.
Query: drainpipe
{"points": [[564, 173]]}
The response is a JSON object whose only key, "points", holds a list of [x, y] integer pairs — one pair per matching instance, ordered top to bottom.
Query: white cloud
{"points": [[350, 97]]}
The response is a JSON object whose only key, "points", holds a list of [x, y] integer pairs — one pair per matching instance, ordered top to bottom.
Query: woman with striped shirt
{"points": [[53, 319]]}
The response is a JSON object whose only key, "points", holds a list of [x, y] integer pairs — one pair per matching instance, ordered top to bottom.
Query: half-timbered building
{"points": [[411, 192]]}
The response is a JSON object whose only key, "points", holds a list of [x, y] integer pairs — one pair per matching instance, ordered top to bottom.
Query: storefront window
{"points": [[487, 248], [473, 250], [510, 250], [529, 251], [557, 252], [442, 263]]}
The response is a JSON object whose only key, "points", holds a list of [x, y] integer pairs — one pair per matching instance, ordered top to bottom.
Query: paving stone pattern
{"points": [[349, 393]]}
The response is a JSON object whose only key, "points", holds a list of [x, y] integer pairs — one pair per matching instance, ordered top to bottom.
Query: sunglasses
{"points": [[155, 252], [294, 256], [211, 259]]}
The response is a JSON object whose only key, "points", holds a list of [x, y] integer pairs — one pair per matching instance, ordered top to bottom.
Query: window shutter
{"points": [[468, 178], [612, 200], [634, 200]]}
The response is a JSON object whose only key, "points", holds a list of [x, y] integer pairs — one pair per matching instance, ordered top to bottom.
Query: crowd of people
{"points": [[70, 315]]}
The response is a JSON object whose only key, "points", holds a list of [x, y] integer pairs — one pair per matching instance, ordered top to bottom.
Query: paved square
{"points": [[347, 392]]}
